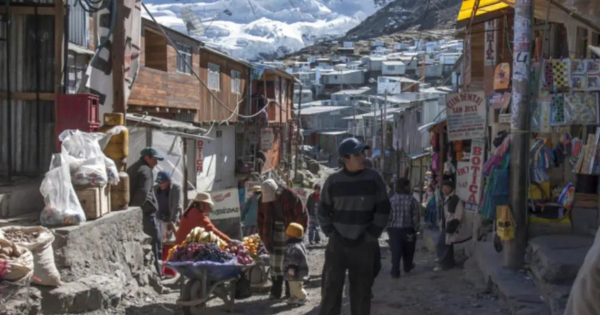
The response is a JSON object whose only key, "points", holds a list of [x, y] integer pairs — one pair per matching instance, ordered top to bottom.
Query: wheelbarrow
{"points": [[205, 281]]}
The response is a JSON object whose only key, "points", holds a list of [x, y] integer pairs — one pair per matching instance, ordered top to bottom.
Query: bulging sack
{"points": [[39, 241], [19, 259]]}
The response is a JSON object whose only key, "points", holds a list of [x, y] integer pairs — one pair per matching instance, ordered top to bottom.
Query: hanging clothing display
{"points": [[541, 158]]}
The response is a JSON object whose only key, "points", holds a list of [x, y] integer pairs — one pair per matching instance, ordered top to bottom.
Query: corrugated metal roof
{"points": [[321, 109], [164, 123], [333, 133]]}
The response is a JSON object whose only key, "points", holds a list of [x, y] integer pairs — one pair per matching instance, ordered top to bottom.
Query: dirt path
{"points": [[421, 292]]}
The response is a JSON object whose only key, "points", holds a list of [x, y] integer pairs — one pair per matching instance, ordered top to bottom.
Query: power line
{"points": [[196, 75]]}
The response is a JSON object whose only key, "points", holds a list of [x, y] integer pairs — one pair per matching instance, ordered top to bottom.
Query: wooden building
{"points": [[166, 86], [225, 87], [272, 110]]}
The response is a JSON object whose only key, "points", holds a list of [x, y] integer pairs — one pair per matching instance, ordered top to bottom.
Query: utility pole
{"points": [[383, 124], [298, 136], [514, 250]]}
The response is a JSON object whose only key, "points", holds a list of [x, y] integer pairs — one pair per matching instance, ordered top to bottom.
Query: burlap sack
{"points": [[44, 270]]}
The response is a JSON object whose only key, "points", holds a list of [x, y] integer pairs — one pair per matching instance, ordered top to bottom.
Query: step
{"points": [[557, 258], [516, 288]]}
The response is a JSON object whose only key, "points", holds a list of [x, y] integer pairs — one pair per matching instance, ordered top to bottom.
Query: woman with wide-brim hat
{"points": [[196, 215]]}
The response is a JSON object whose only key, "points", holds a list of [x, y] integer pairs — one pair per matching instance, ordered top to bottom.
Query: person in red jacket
{"points": [[196, 215]]}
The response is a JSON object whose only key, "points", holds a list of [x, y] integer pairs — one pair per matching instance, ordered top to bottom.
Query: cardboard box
{"points": [[95, 201]]}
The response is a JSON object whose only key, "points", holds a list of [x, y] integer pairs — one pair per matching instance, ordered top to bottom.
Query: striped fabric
{"points": [[353, 204], [278, 253]]}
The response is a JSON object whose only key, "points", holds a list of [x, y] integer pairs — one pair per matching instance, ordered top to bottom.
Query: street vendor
{"points": [[278, 207], [196, 215]]}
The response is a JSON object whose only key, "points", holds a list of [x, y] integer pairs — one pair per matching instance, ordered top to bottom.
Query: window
{"points": [[155, 50], [184, 58], [391, 68], [214, 77], [236, 82], [284, 88], [277, 89], [418, 116]]}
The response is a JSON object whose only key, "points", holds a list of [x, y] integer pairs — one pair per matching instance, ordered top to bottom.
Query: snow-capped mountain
{"points": [[253, 29]]}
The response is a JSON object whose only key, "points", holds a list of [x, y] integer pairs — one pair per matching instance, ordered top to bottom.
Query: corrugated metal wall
{"points": [[31, 1], [78, 25], [25, 53], [32, 122], [32, 136]]}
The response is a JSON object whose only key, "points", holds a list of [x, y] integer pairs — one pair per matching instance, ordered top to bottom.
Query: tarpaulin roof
{"points": [[485, 7]]}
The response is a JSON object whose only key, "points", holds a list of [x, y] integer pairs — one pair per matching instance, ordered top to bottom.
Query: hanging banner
{"points": [[490, 42], [502, 76], [98, 78], [499, 100], [466, 114], [266, 138], [469, 175], [225, 214]]}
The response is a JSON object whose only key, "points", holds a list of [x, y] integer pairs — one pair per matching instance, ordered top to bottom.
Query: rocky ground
{"points": [[422, 292]]}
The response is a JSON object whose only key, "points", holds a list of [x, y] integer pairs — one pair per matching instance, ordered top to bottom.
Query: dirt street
{"points": [[421, 292]]}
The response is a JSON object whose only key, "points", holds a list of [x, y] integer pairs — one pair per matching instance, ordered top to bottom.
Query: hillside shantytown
{"points": [[146, 170]]}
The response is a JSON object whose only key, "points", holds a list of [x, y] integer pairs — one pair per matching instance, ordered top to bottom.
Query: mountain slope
{"points": [[403, 15], [266, 28]]}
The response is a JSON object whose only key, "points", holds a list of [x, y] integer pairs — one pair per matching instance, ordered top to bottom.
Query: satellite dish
{"points": [[192, 21]]}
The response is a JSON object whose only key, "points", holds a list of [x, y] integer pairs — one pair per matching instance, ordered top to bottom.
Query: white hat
{"points": [[269, 191], [204, 197]]}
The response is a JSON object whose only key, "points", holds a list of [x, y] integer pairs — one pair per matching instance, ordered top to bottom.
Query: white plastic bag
{"points": [[88, 164], [91, 172], [62, 205]]}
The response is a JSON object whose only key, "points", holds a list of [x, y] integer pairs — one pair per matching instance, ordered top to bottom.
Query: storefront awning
{"points": [[486, 10], [427, 126], [377, 152], [419, 155]]}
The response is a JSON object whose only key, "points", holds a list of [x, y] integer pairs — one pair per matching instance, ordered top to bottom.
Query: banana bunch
{"points": [[200, 235]]}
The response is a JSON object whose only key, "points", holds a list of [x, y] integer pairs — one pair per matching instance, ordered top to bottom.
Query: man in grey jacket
{"points": [[141, 182], [170, 204], [353, 210]]}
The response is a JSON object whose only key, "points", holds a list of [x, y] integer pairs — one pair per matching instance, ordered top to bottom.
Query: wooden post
{"points": [[58, 45], [118, 60], [514, 250]]}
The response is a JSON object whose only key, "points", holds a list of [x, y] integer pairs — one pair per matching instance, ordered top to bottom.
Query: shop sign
{"points": [[490, 42], [502, 76], [499, 100], [466, 114], [504, 119], [266, 138], [199, 156], [469, 175], [227, 204]]}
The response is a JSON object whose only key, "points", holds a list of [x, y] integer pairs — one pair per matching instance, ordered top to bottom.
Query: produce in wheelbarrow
{"points": [[200, 235], [255, 245], [237, 248], [200, 252]]}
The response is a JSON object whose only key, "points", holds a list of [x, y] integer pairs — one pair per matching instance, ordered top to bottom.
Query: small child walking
{"points": [[296, 264]]}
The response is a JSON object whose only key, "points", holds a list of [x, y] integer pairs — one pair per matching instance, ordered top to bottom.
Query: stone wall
{"points": [[114, 243], [101, 262]]}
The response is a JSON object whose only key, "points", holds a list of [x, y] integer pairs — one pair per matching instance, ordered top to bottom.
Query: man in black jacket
{"points": [[141, 182]]}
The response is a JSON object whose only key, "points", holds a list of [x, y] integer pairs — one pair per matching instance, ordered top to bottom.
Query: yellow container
{"points": [[114, 119], [118, 146], [119, 194], [536, 194]]}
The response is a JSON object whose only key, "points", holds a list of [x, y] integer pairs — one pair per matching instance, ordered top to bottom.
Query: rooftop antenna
{"points": [[193, 23]]}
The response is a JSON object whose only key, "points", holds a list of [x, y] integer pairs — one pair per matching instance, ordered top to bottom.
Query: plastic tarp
{"points": [[485, 7]]}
